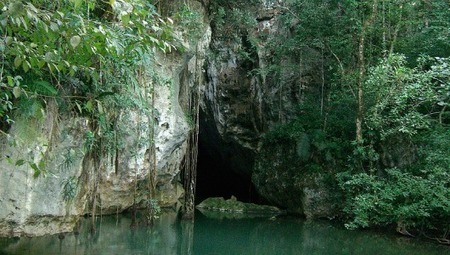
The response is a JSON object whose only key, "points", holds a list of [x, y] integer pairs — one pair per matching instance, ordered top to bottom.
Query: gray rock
{"points": [[282, 177]]}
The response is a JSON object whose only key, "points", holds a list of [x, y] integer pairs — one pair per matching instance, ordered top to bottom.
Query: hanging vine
{"points": [[190, 164], [152, 204]]}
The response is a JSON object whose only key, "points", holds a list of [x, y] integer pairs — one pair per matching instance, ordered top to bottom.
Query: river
{"points": [[215, 236]]}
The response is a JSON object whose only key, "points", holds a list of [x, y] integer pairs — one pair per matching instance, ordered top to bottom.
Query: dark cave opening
{"points": [[215, 175], [216, 179]]}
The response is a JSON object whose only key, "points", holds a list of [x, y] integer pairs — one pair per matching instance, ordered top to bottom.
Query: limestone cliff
{"points": [[242, 103], [49, 179]]}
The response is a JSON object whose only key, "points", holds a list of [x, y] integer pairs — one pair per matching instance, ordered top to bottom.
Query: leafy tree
{"points": [[374, 71], [408, 105]]}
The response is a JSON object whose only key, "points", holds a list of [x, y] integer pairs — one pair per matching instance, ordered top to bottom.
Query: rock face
{"points": [[242, 103], [239, 106], [283, 178], [49, 179], [53, 201], [30, 205]]}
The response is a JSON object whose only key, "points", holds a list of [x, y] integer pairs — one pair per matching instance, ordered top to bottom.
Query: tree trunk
{"points": [[362, 69]]}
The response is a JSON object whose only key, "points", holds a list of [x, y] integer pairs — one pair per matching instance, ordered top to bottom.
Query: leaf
{"points": [[77, 3], [91, 5], [125, 19], [24, 22], [53, 26], [45, 27], [153, 39], [8, 40], [75, 41], [17, 61], [34, 61], [41, 63], [26, 66], [54, 67], [61, 67], [72, 71], [10, 80], [44, 88], [17, 92], [103, 94], [89, 106], [99, 106], [79, 107], [9, 159], [20, 162], [41, 165], [36, 169]]}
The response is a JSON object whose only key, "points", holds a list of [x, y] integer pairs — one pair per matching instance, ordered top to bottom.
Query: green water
{"points": [[220, 236]]}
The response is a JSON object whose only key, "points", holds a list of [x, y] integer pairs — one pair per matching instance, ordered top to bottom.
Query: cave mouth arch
{"points": [[215, 175]]}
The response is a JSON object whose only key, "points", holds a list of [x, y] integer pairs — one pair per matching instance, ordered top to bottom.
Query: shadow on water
{"points": [[219, 236]]}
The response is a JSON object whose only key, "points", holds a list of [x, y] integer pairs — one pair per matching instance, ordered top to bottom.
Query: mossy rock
{"points": [[234, 207]]}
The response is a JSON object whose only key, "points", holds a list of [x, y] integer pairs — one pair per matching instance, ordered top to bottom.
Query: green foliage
{"points": [[231, 20], [190, 22], [428, 31], [46, 42], [90, 57], [406, 100], [408, 103], [288, 132], [89, 141], [313, 146], [69, 158], [39, 169], [399, 172], [69, 189], [419, 201]]}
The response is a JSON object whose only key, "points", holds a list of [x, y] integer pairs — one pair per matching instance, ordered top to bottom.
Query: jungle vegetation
{"points": [[380, 100]]}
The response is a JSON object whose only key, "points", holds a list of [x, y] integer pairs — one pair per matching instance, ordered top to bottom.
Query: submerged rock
{"points": [[218, 207]]}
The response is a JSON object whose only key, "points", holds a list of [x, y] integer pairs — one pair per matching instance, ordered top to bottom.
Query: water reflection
{"points": [[113, 236], [218, 236], [187, 237]]}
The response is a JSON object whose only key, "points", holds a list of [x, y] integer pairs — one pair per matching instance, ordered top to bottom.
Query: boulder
{"points": [[233, 208]]}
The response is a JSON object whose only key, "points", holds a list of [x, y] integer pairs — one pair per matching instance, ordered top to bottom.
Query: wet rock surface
{"points": [[232, 207]]}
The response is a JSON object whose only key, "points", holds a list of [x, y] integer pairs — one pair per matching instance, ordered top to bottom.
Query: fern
{"points": [[43, 88], [69, 189]]}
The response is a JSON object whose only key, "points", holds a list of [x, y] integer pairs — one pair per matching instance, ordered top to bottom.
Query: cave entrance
{"points": [[215, 175]]}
